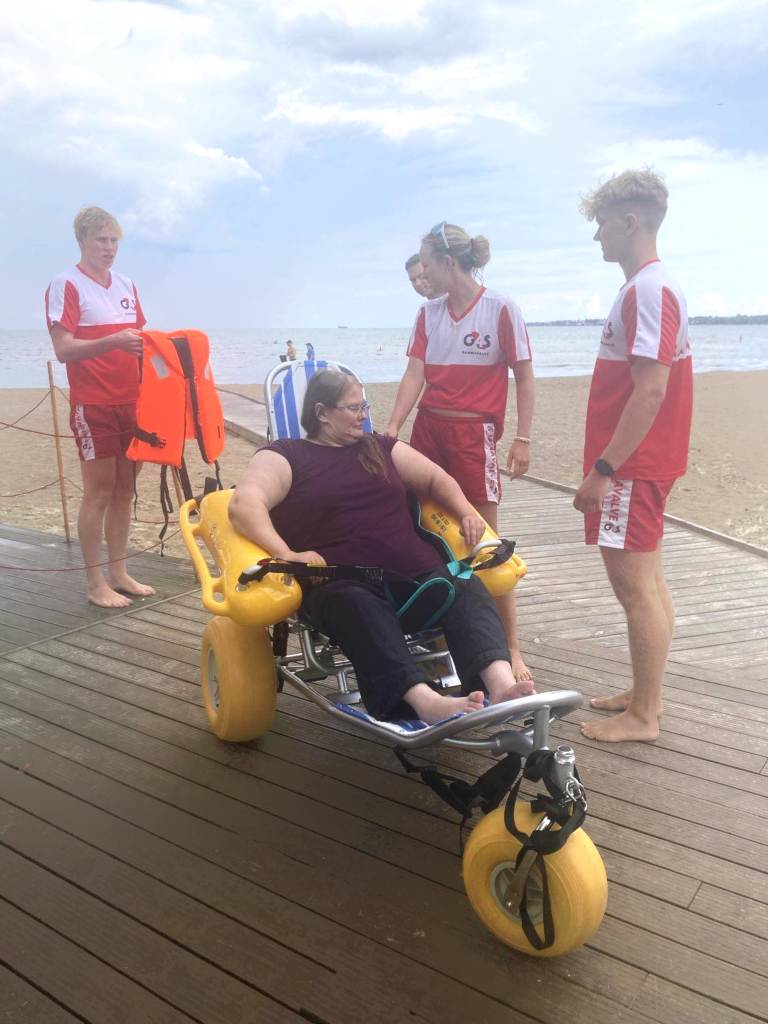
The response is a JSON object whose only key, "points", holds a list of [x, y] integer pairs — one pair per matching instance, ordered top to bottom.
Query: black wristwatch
{"points": [[604, 468]]}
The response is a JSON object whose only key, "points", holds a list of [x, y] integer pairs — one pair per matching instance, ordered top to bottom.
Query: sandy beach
{"points": [[726, 488]]}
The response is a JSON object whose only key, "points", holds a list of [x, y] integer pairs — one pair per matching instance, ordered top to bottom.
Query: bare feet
{"points": [[128, 585], [102, 595], [520, 670], [511, 692], [616, 702], [433, 707], [626, 726]]}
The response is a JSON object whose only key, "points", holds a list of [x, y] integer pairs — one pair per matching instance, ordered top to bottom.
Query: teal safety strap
{"points": [[460, 570], [421, 589]]}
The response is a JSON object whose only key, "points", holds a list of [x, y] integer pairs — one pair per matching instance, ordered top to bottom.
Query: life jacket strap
{"points": [[148, 437]]}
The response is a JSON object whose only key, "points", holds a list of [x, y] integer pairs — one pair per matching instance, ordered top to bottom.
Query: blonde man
{"points": [[94, 317], [636, 441]]}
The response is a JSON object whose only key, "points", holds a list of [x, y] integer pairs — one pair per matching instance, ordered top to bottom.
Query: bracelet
{"points": [[522, 440]]}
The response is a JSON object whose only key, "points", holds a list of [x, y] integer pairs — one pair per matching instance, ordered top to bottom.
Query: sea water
{"points": [[245, 355]]}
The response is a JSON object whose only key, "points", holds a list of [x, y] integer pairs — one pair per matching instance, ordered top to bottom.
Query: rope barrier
{"points": [[7, 426], [46, 433], [34, 490], [94, 565]]}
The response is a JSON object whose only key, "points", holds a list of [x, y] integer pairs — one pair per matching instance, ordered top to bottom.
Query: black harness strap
{"points": [[181, 344], [148, 436], [186, 485], [166, 506], [501, 553], [363, 573], [485, 793], [560, 808]]}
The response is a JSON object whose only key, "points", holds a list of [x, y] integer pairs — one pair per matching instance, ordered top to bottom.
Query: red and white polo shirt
{"points": [[91, 310], [649, 318], [467, 357]]}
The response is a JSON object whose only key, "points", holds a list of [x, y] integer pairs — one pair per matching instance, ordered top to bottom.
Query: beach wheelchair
{"points": [[531, 873]]}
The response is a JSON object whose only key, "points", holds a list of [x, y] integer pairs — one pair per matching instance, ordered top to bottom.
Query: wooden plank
{"points": [[738, 911], [399, 930], [729, 944], [144, 950], [76, 979], [727, 984], [666, 1002], [21, 1003]]}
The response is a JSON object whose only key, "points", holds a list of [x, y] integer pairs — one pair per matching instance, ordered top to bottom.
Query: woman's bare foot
{"points": [[128, 585], [102, 595], [520, 670], [498, 694], [615, 702], [434, 707], [620, 728]]}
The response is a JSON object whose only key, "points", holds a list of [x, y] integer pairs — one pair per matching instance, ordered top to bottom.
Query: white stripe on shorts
{"points": [[83, 435], [491, 463], [614, 515]]}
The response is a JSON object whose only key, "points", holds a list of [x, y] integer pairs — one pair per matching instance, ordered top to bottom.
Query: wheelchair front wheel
{"points": [[239, 679], [578, 887]]}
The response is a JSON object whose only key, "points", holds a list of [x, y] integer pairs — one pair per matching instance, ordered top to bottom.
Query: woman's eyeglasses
{"points": [[439, 232], [356, 408]]}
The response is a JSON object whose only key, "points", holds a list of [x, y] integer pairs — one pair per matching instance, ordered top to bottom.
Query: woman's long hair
{"points": [[324, 390]]}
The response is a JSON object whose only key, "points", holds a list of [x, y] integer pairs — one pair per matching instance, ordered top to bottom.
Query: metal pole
{"points": [[57, 439]]}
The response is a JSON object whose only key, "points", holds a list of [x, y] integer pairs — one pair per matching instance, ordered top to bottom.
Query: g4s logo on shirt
{"points": [[128, 303], [475, 340]]}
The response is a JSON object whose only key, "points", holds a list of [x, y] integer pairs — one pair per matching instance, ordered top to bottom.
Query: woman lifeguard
{"points": [[461, 348]]}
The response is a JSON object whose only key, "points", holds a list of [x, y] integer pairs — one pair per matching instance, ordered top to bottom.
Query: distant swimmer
{"points": [[415, 272], [94, 317], [462, 346], [290, 350], [636, 440]]}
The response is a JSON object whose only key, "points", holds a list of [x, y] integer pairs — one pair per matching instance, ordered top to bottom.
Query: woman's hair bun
{"points": [[481, 250]]}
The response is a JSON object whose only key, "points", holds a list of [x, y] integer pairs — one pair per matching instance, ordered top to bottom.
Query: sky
{"points": [[274, 162]]}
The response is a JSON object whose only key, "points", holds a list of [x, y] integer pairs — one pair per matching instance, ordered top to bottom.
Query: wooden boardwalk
{"points": [[149, 873]]}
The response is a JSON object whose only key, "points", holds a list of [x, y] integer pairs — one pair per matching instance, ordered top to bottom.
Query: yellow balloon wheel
{"points": [[239, 679], [578, 887]]}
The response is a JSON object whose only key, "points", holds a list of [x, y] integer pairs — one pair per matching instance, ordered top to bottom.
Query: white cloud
{"points": [[352, 12], [500, 112]]}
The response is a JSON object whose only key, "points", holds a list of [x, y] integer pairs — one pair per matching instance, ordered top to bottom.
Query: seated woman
{"points": [[339, 497]]}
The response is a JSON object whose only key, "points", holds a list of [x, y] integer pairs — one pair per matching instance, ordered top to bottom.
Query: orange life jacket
{"points": [[177, 400]]}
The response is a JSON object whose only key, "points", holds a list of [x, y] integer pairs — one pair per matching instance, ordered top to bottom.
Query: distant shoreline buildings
{"points": [[739, 320]]}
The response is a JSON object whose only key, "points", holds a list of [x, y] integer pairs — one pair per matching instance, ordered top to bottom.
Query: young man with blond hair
{"points": [[94, 317], [636, 440]]}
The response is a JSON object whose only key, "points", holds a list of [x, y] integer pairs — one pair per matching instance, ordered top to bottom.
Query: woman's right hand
{"points": [[308, 557]]}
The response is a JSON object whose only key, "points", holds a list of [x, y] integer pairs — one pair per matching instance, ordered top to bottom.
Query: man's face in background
{"points": [[419, 282]]}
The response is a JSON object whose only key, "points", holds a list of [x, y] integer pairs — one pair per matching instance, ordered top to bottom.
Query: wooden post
{"points": [[57, 439], [177, 485]]}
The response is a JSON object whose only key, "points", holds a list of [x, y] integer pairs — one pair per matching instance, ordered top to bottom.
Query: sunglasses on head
{"points": [[439, 232]]}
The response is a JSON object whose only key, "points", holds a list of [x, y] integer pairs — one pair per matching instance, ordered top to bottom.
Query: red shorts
{"points": [[102, 431], [464, 448], [632, 516]]}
